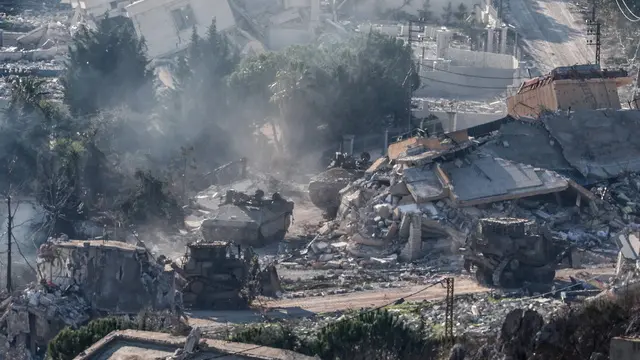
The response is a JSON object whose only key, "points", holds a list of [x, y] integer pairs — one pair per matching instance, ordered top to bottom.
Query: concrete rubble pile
{"points": [[387, 217], [76, 281]]}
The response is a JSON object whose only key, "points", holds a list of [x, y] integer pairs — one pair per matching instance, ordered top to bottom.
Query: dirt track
{"points": [[375, 298]]}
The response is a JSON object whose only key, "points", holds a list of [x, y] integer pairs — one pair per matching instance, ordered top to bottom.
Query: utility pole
{"points": [[593, 29], [410, 41], [9, 237], [448, 316]]}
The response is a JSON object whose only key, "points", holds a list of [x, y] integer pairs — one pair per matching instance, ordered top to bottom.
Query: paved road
{"points": [[551, 33]]}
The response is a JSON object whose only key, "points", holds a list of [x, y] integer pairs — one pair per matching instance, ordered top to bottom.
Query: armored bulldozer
{"points": [[324, 188], [249, 220], [510, 253], [213, 275]]}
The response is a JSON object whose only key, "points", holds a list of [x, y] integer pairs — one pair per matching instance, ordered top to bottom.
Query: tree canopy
{"points": [[116, 132]]}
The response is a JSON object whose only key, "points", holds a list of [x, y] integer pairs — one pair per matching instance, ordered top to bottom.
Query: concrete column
{"points": [[489, 39], [503, 40], [413, 249]]}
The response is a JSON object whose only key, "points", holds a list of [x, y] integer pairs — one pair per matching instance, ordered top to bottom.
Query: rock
{"points": [[399, 189], [382, 210], [325, 229], [393, 231], [359, 239], [341, 245], [319, 247], [325, 257], [458, 352]]}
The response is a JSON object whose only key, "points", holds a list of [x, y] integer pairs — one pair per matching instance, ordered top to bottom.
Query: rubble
{"points": [[76, 280]]}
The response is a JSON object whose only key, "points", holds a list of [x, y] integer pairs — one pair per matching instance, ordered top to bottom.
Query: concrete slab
{"points": [[528, 144], [601, 144], [482, 180], [423, 184]]}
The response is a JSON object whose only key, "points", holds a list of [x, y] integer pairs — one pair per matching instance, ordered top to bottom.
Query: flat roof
{"points": [[116, 245], [147, 345]]}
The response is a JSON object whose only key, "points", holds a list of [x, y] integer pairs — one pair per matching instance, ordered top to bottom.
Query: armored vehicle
{"points": [[343, 169], [249, 220], [510, 252], [213, 275]]}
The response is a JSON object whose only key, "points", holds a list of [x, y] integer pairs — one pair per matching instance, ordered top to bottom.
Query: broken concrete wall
{"points": [[515, 141], [600, 144], [115, 276]]}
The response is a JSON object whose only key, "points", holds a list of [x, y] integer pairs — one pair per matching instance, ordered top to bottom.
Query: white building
{"points": [[100, 7], [167, 25]]}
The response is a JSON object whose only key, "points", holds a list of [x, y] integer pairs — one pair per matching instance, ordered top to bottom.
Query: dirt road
{"points": [[551, 33], [368, 299], [306, 307]]}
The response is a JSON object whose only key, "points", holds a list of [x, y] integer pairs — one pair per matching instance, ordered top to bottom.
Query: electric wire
{"points": [[630, 11], [624, 14], [480, 76], [464, 85], [337, 321]]}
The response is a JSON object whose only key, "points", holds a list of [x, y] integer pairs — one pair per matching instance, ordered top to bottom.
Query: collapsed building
{"points": [[569, 87], [78, 280]]}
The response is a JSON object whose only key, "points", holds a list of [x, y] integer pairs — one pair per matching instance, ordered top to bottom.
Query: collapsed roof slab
{"points": [[527, 143], [601, 144], [482, 180], [424, 184]]}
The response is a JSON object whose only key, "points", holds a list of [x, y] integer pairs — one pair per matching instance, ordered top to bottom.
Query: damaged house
{"points": [[253, 26], [77, 281]]}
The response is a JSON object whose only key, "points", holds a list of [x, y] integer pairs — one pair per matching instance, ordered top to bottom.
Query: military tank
{"points": [[324, 188], [249, 220], [511, 252]]}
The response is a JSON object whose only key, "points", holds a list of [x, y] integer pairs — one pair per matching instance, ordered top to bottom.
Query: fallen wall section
{"points": [[600, 144], [114, 276]]}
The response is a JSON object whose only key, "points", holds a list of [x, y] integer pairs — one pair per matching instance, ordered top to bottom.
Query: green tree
{"points": [[461, 13], [425, 14], [448, 14], [107, 67], [202, 110]]}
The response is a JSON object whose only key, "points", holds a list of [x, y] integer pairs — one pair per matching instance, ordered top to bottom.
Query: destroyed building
{"points": [[567, 88], [116, 276], [78, 280]]}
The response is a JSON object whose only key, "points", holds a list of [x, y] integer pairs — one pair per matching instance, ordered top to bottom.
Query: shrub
{"points": [[367, 336], [69, 342]]}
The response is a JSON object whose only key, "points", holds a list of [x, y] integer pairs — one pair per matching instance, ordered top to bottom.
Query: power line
{"points": [[630, 12], [624, 14], [480, 76], [463, 85], [398, 301]]}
